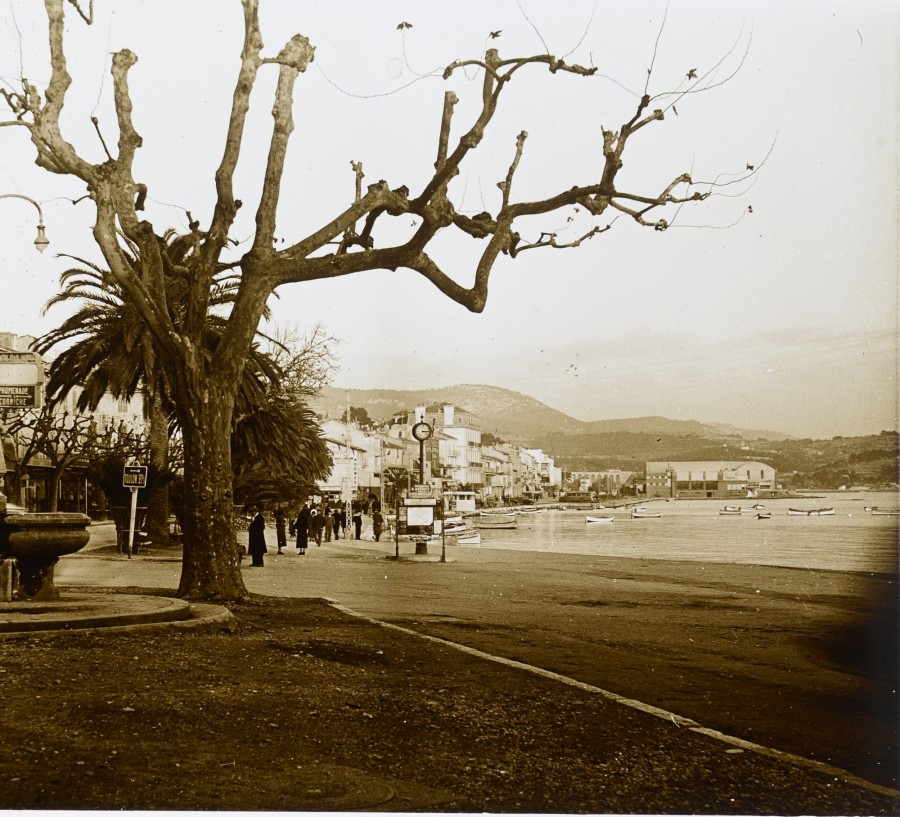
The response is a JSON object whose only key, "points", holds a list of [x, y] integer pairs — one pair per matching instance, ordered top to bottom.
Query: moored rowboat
{"points": [[812, 512], [645, 514], [603, 518], [498, 524]]}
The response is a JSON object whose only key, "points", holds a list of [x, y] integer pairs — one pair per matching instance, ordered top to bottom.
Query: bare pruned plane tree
{"points": [[203, 382]]}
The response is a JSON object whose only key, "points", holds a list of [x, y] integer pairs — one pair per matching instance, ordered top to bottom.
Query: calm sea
{"points": [[852, 539]]}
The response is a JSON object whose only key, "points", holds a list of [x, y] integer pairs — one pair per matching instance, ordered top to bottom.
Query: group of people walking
{"points": [[311, 523]]}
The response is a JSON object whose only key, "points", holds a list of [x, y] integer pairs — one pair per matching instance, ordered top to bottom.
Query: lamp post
{"points": [[41, 242]]}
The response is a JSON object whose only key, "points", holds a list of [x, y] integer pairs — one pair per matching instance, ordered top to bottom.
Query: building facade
{"points": [[710, 479]]}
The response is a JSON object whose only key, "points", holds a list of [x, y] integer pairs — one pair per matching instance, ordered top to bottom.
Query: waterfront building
{"points": [[459, 444], [357, 457], [498, 475], [542, 477], [733, 479], [609, 482]]}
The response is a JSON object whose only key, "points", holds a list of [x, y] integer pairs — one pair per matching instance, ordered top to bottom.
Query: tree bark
{"points": [[53, 490], [158, 504], [210, 565]]}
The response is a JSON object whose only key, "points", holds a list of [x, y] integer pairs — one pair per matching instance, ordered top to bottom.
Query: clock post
{"points": [[422, 432]]}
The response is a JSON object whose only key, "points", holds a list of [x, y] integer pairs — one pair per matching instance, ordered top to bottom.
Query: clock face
{"points": [[421, 431]]}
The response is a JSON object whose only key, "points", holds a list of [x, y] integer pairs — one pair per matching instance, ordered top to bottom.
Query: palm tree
{"points": [[112, 352]]}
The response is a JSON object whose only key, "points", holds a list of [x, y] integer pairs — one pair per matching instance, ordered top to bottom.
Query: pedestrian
{"points": [[342, 521], [336, 523], [357, 523], [316, 524], [329, 524], [377, 524], [280, 528], [301, 529], [257, 538]]}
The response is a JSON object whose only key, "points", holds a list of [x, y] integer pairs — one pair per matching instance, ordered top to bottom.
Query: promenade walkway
{"points": [[790, 660]]}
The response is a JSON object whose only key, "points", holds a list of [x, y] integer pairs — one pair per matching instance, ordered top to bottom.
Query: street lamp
{"points": [[41, 242]]}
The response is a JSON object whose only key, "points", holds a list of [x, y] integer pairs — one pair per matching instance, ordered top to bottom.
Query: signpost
{"points": [[21, 374], [134, 476]]}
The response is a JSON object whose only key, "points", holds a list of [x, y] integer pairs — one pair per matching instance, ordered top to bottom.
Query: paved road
{"points": [[796, 660]]}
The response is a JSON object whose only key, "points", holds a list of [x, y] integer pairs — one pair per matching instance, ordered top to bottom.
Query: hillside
{"points": [[520, 419], [629, 443]]}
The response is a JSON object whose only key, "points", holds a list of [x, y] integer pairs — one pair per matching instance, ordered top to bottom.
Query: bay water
{"points": [[851, 540]]}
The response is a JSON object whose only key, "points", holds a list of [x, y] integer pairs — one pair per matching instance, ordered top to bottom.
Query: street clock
{"points": [[421, 431]]}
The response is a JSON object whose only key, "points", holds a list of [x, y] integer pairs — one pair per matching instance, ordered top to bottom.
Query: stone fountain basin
{"points": [[44, 536]]}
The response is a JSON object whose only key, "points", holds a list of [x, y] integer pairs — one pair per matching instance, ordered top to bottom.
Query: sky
{"points": [[773, 304]]}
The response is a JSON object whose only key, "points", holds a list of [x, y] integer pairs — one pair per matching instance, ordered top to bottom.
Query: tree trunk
{"points": [[53, 490], [158, 504], [210, 566]]}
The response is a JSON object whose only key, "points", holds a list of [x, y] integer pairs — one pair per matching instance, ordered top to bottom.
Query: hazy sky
{"points": [[773, 305]]}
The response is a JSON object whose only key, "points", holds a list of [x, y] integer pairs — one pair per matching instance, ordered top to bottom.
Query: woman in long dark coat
{"points": [[301, 528], [257, 542]]}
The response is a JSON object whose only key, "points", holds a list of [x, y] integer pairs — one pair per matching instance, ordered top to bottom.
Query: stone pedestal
{"points": [[36, 541], [7, 570]]}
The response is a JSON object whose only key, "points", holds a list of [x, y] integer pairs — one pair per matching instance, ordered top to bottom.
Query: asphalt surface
{"points": [[799, 664]]}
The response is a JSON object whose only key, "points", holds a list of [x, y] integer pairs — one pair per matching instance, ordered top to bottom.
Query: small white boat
{"points": [[730, 512], [885, 512], [637, 513], [499, 514], [603, 518], [450, 521], [452, 530], [462, 530], [471, 538]]}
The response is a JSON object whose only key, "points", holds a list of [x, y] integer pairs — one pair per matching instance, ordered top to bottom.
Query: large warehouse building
{"points": [[709, 480]]}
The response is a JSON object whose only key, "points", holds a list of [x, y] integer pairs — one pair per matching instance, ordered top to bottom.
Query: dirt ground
{"points": [[303, 707]]}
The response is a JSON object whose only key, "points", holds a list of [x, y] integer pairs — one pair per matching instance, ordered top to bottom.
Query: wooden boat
{"points": [[733, 508], [730, 512], [812, 512], [885, 512], [637, 513], [499, 514], [764, 515], [607, 517], [450, 521], [501, 523], [452, 530], [461, 530], [471, 538]]}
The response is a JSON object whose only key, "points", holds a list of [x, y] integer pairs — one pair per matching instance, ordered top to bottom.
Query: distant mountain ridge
{"points": [[516, 417]]}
